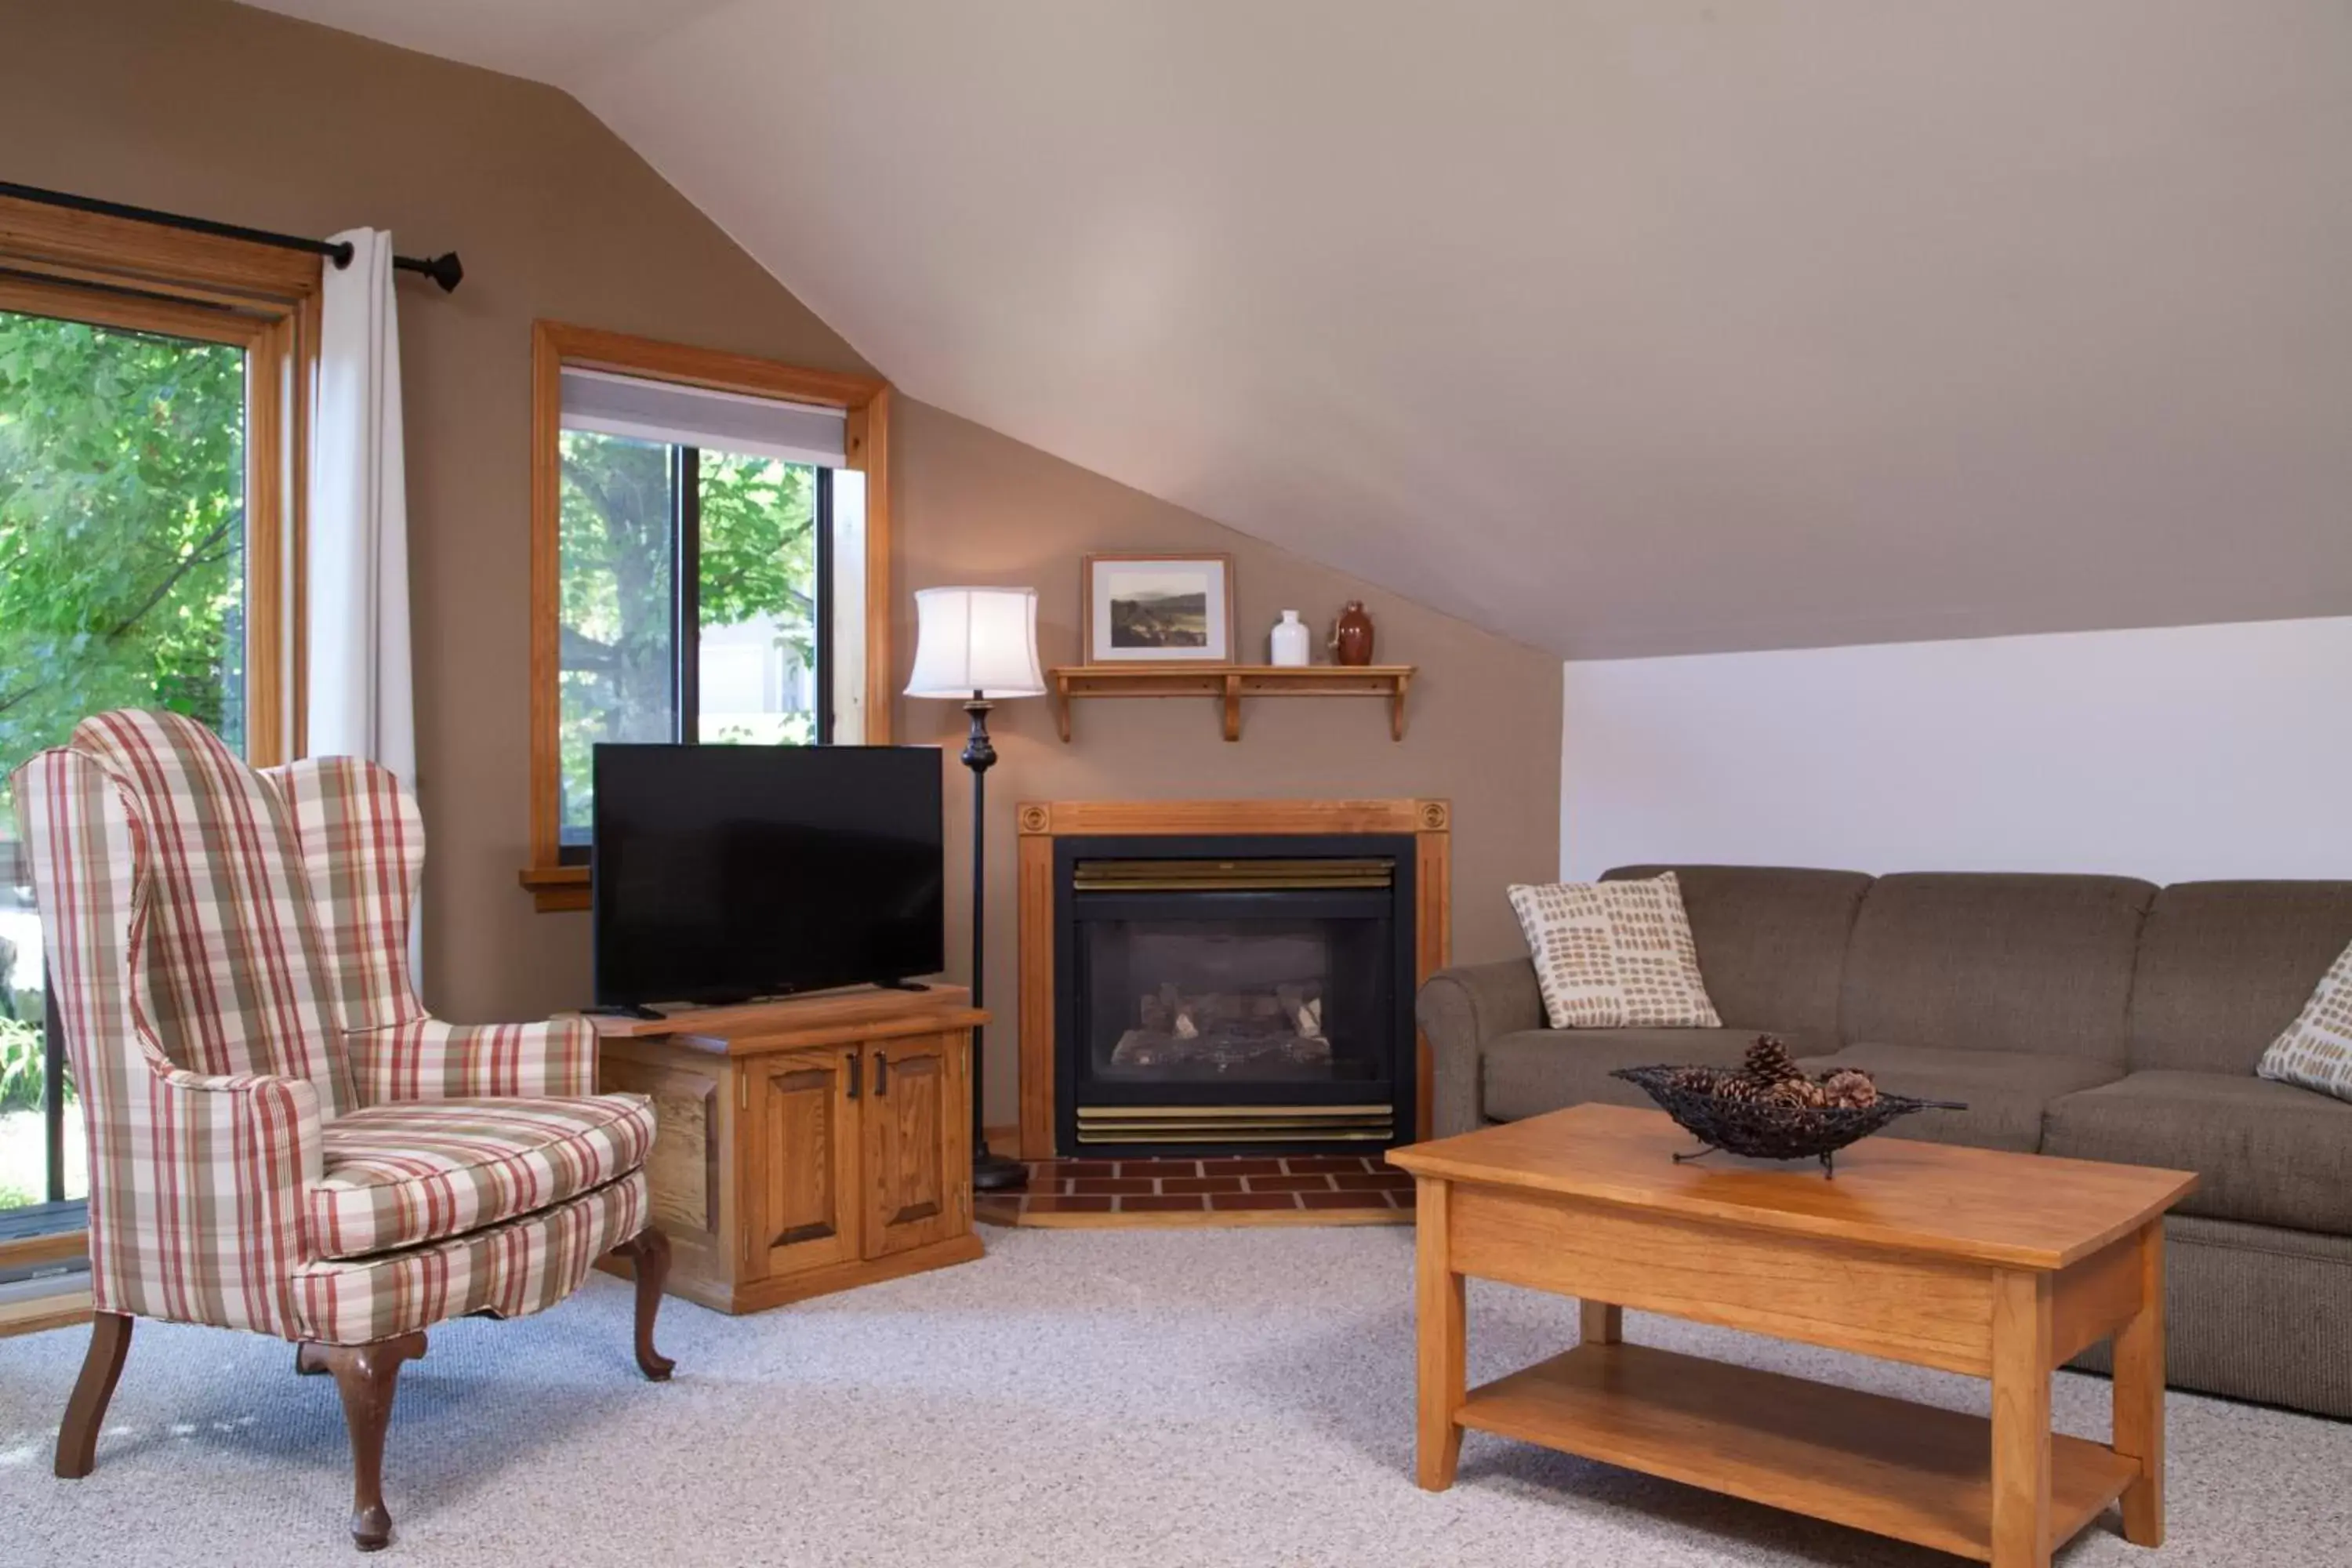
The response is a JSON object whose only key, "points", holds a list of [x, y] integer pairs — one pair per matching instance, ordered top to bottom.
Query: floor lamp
{"points": [[977, 646]]}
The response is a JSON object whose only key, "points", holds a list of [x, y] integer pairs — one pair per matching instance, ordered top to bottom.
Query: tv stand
{"points": [[626, 1010], [806, 1146]]}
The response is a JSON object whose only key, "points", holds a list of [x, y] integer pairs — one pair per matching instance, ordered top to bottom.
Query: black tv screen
{"points": [[722, 873]]}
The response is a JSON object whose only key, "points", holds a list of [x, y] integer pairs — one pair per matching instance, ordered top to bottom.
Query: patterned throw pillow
{"points": [[1614, 955], [2316, 1052]]}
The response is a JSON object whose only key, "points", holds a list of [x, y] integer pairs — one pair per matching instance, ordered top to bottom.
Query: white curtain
{"points": [[361, 704]]}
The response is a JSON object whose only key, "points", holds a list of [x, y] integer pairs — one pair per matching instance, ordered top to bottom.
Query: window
{"points": [[147, 416], [704, 531]]}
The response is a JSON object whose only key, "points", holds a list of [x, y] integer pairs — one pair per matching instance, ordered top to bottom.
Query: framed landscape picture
{"points": [[1157, 609]]}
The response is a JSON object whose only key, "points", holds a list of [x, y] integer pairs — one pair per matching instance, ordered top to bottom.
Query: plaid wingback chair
{"points": [[280, 1138]]}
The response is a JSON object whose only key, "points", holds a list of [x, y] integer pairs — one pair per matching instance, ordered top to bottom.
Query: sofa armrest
{"points": [[1460, 1009], [425, 1058]]}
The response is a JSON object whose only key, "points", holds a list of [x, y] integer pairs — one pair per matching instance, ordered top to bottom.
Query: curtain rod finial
{"points": [[445, 269]]}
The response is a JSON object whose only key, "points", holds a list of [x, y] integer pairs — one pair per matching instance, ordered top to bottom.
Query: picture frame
{"points": [[1158, 607]]}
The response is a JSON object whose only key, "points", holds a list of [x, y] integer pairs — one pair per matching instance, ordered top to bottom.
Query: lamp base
{"points": [[993, 1172]]}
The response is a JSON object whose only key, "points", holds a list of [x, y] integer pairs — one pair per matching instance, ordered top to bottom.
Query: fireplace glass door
{"points": [[1233, 1002], [1268, 1003]]}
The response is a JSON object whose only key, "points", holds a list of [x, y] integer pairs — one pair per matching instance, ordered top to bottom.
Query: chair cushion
{"points": [[1771, 940], [1995, 962], [1537, 1070], [2005, 1092], [2266, 1154], [413, 1171], [510, 1270]]}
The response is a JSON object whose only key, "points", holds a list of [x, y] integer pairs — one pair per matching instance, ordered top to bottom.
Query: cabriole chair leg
{"points": [[649, 1251], [110, 1341], [366, 1376]]}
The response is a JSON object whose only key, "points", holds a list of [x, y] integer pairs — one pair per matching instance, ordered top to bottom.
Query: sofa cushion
{"points": [[1771, 940], [1613, 954], [1995, 962], [2225, 966], [1539, 1070], [2005, 1092], [2267, 1153], [417, 1171]]}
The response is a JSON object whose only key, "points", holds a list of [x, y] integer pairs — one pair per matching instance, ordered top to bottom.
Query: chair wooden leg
{"points": [[649, 1250], [110, 1341], [366, 1376]]}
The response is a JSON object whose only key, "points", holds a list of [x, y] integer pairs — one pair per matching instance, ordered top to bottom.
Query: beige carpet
{"points": [[1083, 1398]]}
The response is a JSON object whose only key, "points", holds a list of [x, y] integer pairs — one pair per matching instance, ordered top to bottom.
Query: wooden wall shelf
{"points": [[1230, 683]]}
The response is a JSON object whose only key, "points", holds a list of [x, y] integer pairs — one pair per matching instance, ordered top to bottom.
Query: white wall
{"points": [[2173, 753]]}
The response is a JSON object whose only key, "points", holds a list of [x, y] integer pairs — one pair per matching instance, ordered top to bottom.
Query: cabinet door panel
{"points": [[807, 1136], [917, 1143]]}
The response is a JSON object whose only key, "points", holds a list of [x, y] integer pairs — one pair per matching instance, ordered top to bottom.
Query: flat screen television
{"points": [[722, 873]]}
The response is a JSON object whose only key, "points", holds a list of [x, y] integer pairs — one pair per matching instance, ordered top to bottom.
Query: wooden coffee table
{"points": [[2003, 1265]]}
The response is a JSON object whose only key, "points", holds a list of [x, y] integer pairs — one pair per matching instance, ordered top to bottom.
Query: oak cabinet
{"points": [[807, 1142], [917, 1144], [805, 1147]]}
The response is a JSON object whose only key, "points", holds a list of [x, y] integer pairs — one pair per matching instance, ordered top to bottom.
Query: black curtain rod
{"points": [[445, 269]]}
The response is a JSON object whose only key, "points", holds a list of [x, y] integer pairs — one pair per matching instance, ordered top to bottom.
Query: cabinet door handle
{"points": [[854, 1074], [881, 1074]]}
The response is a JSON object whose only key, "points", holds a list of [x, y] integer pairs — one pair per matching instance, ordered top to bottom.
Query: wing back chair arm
{"points": [[424, 1058], [212, 1224]]}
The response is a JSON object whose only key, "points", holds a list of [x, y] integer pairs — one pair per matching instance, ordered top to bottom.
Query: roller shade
{"points": [[645, 410]]}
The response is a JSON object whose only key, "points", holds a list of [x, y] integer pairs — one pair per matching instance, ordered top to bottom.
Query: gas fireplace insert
{"points": [[1233, 995]]}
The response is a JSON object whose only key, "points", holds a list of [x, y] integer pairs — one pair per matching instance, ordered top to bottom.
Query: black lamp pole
{"points": [[991, 1172]]}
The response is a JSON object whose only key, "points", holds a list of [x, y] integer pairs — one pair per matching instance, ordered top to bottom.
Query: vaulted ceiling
{"points": [[1619, 326]]}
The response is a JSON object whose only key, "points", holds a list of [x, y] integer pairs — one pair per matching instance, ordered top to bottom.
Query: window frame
{"points": [[141, 276], [264, 299], [553, 884]]}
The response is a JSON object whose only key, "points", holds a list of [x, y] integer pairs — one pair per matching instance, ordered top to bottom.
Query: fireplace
{"points": [[1237, 977], [1227, 993]]}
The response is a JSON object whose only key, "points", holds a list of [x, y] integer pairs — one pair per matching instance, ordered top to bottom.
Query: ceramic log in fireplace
{"points": [[1221, 992]]}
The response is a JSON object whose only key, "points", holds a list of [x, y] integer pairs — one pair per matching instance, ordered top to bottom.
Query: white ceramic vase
{"points": [[1289, 641]]}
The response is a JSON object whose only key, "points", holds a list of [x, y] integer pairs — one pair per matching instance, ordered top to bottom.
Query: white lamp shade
{"points": [[980, 640]]}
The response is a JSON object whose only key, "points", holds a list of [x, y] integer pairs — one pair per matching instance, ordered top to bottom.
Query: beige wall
{"points": [[241, 115], [1484, 717]]}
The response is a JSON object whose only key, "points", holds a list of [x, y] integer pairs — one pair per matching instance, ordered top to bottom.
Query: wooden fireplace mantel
{"points": [[1430, 822]]}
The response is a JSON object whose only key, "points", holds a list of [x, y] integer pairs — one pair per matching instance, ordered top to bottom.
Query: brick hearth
{"points": [[1299, 1189]]}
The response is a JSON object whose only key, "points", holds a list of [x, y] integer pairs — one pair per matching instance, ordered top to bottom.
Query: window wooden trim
{"points": [[142, 277], [555, 345], [66, 1303]]}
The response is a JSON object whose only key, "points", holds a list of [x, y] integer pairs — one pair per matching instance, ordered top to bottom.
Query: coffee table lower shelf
{"points": [[1912, 1471]]}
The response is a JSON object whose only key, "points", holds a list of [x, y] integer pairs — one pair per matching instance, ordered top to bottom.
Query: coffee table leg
{"points": [[1438, 1291], [1603, 1323], [2022, 1354], [2139, 1395]]}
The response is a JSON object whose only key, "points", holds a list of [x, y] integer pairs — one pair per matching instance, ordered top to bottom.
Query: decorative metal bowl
{"points": [[1765, 1129]]}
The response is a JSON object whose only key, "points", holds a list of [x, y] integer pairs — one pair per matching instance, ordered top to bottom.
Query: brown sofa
{"points": [[2099, 1017]]}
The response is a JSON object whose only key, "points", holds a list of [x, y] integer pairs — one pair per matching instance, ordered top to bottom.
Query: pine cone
{"points": [[1769, 1062], [1697, 1080], [1739, 1086], [1849, 1087], [1795, 1093]]}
